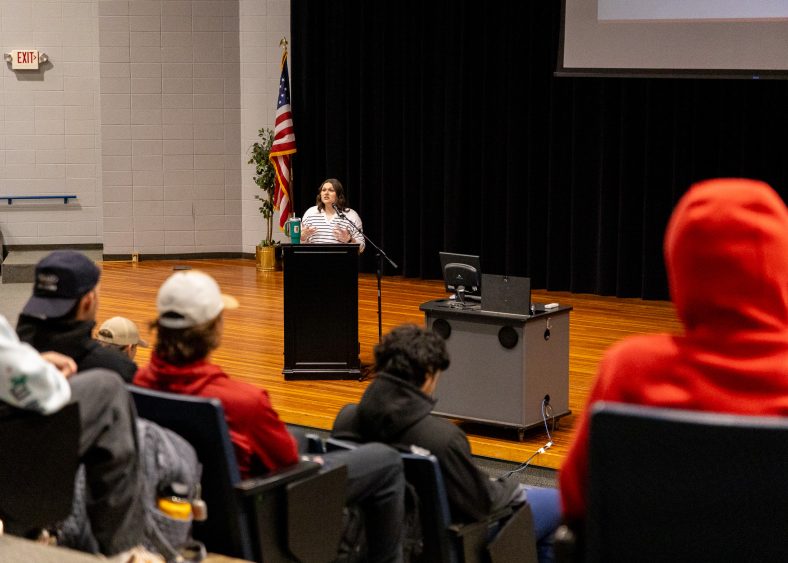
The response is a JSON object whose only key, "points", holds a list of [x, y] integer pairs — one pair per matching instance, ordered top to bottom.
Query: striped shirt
{"points": [[325, 228]]}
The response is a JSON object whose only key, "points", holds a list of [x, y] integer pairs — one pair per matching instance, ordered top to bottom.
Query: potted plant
{"points": [[265, 178]]}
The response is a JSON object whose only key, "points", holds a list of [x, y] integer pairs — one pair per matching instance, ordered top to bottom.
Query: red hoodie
{"points": [[726, 252], [257, 433]]}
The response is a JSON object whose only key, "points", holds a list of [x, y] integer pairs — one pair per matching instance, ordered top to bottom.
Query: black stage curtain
{"points": [[449, 131]]}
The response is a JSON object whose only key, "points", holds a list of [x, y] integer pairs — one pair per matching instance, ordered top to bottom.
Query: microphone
{"points": [[338, 212]]}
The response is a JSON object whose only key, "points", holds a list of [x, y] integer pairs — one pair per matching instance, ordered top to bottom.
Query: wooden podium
{"points": [[321, 311]]}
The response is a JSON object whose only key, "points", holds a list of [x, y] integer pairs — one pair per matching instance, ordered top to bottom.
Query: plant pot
{"points": [[266, 258]]}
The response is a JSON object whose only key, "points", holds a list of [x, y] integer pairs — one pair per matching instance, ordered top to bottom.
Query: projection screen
{"points": [[714, 38]]}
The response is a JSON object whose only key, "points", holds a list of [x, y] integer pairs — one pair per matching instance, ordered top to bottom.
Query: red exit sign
{"points": [[25, 59]]}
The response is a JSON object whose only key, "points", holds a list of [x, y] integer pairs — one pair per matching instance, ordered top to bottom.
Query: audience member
{"points": [[726, 254], [61, 314], [189, 327], [121, 334], [30, 380], [395, 409], [108, 443]]}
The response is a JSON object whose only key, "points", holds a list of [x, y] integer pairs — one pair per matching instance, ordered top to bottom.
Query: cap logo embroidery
{"points": [[47, 282]]}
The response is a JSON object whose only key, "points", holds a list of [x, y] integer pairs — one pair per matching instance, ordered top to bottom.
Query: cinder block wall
{"points": [[262, 24], [146, 113], [49, 123]]}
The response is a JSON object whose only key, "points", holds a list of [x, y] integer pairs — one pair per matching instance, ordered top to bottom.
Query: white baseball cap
{"points": [[191, 298], [120, 331]]}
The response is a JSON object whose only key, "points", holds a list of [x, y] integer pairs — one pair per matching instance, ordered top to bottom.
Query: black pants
{"points": [[108, 448]]}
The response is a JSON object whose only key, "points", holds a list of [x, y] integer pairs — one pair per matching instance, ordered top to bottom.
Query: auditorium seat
{"points": [[40, 461], [676, 485], [269, 518], [512, 531]]}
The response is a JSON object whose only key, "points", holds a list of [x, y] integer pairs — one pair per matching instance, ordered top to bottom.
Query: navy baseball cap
{"points": [[62, 278]]}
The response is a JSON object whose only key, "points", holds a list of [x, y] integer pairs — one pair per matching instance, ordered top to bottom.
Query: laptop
{"points": [[506, 294]]}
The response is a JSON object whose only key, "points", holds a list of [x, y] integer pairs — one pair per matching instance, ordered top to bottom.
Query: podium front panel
{"points": [[321, 311], [501, 366]]}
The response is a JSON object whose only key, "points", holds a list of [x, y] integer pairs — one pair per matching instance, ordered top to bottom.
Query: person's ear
{"points": [[86, 304], [430, 382]]}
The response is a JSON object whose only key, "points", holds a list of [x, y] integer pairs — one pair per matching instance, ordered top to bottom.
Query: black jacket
{"points": [[73, 338], [396, 412]]}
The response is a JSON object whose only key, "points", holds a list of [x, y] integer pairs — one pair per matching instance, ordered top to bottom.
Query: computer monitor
{"points": [[462, 274]]}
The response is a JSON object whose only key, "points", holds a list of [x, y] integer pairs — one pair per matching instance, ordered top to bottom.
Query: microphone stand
{"points": [[380, 255]]}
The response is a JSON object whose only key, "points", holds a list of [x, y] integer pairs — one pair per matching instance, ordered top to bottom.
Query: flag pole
{"points": [[283, 45], [283, 146]]}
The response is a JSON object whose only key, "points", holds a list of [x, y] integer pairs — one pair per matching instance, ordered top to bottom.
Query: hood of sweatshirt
{"points": [[726, 253], [389, 407]]}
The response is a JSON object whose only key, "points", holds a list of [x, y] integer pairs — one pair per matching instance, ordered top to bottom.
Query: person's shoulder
{"points": [[311, 211], [27, 328], [641, 349], [100, 357], [633, 360], [144, 376], [239, 394], [346, 426], [437, 434]]}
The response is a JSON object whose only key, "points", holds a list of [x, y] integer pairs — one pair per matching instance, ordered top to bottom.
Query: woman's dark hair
{"points": [[338, 189], [181, 346], [410, 352]]}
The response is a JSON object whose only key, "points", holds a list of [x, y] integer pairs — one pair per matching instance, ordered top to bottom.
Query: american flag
{"points": [[283, 146]]}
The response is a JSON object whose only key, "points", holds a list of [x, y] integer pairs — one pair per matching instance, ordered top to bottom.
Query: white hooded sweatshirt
{"points": [[27, 380]]}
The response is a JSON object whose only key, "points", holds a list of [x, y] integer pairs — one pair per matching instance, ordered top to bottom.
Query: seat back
{"points": [[201, 422], [40, 461], [424, 473], [673, 485], [314, 533], [506, 536], [515, 541]]}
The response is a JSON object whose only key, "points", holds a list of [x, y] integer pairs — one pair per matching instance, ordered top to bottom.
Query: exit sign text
{"points": [[24, 59]]}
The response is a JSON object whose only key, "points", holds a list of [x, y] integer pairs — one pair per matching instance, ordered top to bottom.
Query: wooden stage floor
{"points": [[252, 348]]}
